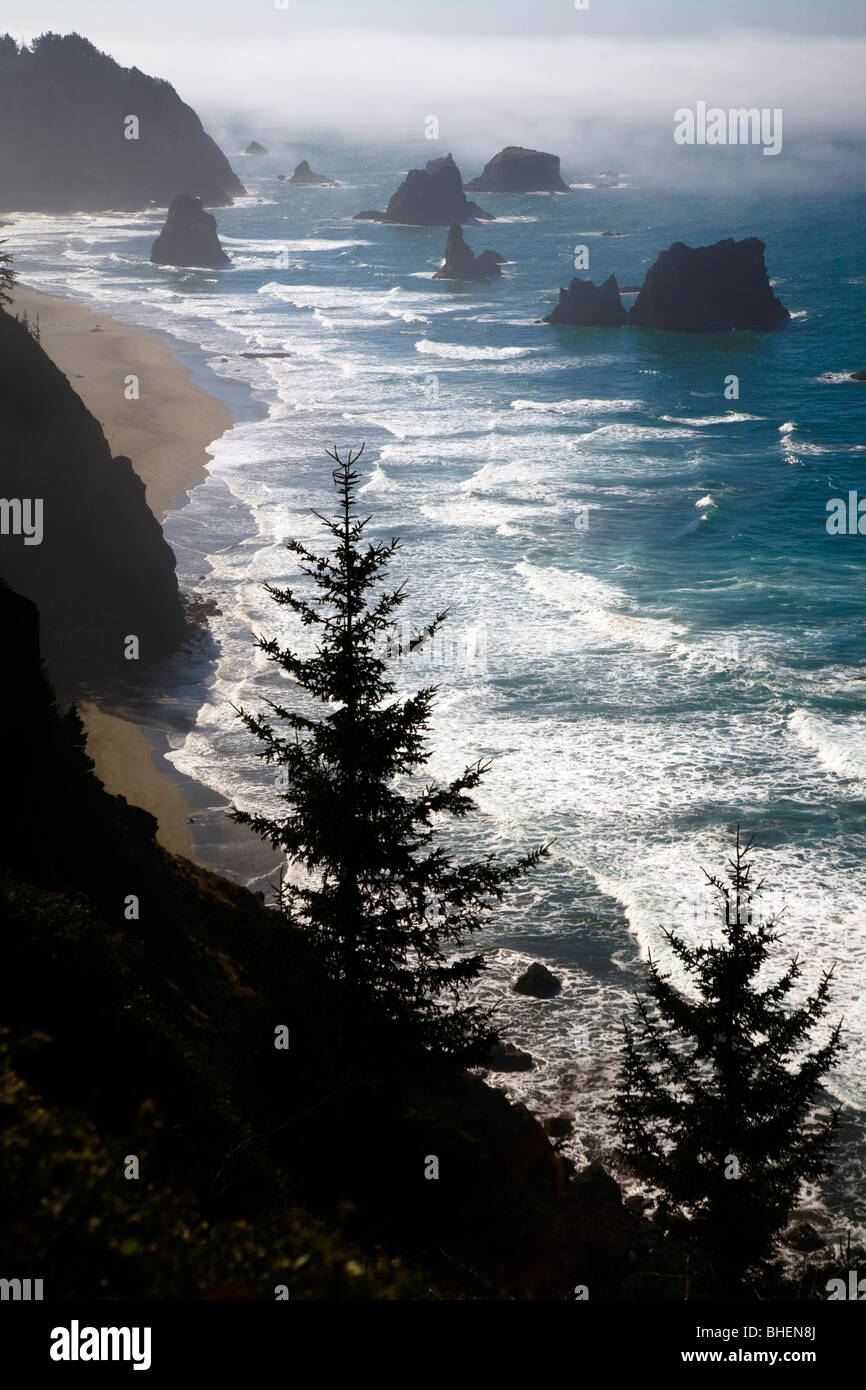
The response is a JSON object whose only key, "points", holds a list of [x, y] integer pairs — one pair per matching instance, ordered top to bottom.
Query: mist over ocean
{"points": [[652, 635]]}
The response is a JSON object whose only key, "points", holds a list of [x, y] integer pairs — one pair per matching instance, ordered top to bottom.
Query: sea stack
{"points": [[255, 148], [516, 170], [304, 174], [430, 197], [189, 235], [462, 264], [709, 288], [585, 305]]}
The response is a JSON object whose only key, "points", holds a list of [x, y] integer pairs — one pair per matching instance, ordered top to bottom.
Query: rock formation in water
{"points": [[82, 133], [255, 148], [516, 170], [304, 174], [430, 197], [189, 236], [462, 264], [709, 288], [585, 305], [859, 376], [101, 570], [538, 981], [504, 1056]]}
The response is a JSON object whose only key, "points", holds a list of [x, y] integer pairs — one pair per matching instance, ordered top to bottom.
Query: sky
{"points": [[543, 73]]}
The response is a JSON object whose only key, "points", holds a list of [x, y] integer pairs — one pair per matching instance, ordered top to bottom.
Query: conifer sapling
{"points": [[389, 907], [718, 1095]]}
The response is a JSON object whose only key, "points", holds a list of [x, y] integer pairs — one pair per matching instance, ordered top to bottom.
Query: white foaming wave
{"points": [[277, 244], [319, 296], [459, 352], [834, 377], [584, 406], [733, 418], [627, 434], [804, 446], [500, 478], [379, 483], [706, 502], [470, 512], [601, 606], [840, 748]]}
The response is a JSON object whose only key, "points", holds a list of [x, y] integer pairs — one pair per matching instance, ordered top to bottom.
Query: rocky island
{"points": [[71, 144], [255, 148], [517, 170], [304, 174], [430, 197], [189, 236], [462, 264], [709, 288], [585, 305]]}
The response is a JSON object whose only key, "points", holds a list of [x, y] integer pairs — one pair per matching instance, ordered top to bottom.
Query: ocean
{"points": [[652, 635]]}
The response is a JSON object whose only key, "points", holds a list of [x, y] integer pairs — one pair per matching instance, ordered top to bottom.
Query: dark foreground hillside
{"points": [[153, 1036]]}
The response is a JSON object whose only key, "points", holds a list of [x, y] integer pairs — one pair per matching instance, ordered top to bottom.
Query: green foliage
{"points": [[7, 276], [387, 905], [718, 1089], [71, 1217]]}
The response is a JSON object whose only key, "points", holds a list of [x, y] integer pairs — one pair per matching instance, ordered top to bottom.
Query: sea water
{"points": [[652, 636]]}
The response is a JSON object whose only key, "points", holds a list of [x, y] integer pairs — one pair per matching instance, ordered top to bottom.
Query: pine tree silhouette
{"points": [[7, 276], [388, 906], [717, 1095]]}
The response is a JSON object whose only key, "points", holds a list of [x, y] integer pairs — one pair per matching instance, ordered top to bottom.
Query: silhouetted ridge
{"points": [[65, 112], [103, 570]]}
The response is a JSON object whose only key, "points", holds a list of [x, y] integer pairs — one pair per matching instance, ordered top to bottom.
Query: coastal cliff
{"points": [[82, 133], [101, 570]]}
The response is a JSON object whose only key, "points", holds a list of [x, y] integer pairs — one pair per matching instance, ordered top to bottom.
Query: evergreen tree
{"points": [[7, 276], [388, 906], [717, 1096]]}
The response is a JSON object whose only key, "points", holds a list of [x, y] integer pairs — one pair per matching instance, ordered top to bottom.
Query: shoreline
{"points": [[166, 433]]}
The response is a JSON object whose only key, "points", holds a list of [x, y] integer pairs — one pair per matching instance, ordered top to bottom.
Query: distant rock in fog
{"points": [[81, 133], [255, 148], [516, 170], [304, 174], [430, 197], [189, 236], [462, 264], [709, 288], [585, 305]]}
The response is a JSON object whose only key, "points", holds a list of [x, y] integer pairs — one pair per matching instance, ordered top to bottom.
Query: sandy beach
{"points": [[165, 433]]}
